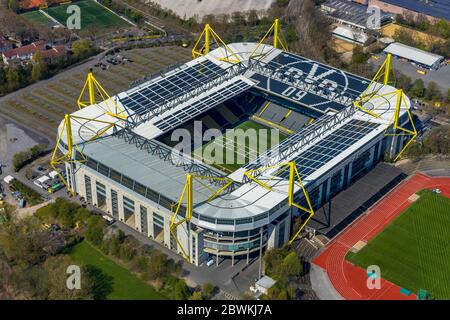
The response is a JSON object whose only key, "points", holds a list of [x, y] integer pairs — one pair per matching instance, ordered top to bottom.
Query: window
{"points": [[104, 170], [116, 176], [127, 182], [87, 185], [115, 204], [128, 207], [144, 226]]}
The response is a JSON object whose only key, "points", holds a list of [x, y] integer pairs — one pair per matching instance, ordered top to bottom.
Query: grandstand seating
{"points": [[282, 117]]}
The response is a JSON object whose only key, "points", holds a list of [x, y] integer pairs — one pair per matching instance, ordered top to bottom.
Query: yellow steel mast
{"points": [[209, 36], [278, 41], [371, 92], [95, 94], [293, 174], [188, 195]]}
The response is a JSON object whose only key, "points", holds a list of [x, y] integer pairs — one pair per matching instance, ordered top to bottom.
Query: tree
{"points": [[13, 5], [291, 33], [82, 49], [358, 56], [39, 69], [12, 78], [2, 80], [403, 82], [418, 88], [433, 92], [448, 95], [95, 230], [23, 242], [292, 265], [56, 270], [99, 284], [207, 290], [181, 291], [197, 295]]}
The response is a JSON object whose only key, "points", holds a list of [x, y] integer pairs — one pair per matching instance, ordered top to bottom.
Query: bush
{"points": [[23, 158], [30, 196], [95, 230], [207, 290]]}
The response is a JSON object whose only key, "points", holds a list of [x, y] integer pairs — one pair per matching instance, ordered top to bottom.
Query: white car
{"points": [[210, 262]]}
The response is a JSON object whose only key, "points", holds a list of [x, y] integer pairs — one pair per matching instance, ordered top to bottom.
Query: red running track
{"points": [[349, 280]]}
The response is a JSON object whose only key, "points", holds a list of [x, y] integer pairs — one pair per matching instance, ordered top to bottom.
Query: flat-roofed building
{"points": [[433, 10], [352, 14], [420, 57]]}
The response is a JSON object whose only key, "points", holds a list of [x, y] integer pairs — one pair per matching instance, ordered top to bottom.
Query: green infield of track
{"points": [[92, 15], [38, 17], [246, 125], [413, 251], [126, 285]]}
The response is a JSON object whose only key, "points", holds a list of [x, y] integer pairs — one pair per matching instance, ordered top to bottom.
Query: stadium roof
{"points": [[434, 8], [413, 54], [327, 147]]}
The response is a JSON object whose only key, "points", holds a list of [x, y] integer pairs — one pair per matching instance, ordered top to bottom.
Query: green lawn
{"points": [[92, 14], [38, 17], [249, 128], [413, 251], [126, 286]]}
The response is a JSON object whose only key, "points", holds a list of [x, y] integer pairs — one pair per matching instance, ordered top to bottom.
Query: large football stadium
{"points": [[327, 128]]}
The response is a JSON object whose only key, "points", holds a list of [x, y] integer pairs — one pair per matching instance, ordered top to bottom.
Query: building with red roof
{"points": [[25, 53]]}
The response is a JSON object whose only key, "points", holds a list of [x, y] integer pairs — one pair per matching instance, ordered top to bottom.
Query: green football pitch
{"points": [[92, 15], [38, 17], [243, 144], [413, 251]]}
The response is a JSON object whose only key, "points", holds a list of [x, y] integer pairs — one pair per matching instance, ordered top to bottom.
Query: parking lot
{"points": [[440, 76], [40, 107]]}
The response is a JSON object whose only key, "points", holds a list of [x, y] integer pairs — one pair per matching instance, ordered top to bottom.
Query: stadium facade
{"points": [[129, 171]]}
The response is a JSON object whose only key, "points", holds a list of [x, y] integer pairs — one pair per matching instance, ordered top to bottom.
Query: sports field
{"points": [[92, 15], [38, 17], [242, 144], [413, 251], [126, 286]]}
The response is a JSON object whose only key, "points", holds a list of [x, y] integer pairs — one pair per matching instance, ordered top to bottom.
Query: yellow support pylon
{"points": [[209, 36], [278, 40], [382, 77], [95, 94], [398, 130], [69, 157], [293, 174], [189, 195]]}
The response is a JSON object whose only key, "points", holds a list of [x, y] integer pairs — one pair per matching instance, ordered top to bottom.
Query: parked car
{"points": [[210, 262]]}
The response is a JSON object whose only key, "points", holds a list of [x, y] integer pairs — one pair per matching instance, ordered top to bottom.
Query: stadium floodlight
{"points": [[278, 40], [202, 48], [96, 93]]}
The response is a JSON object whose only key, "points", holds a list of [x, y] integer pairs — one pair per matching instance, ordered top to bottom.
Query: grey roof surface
{"points": [[434, 8], [352, 12], [413, 54], [143, 167], [266, 282]]}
